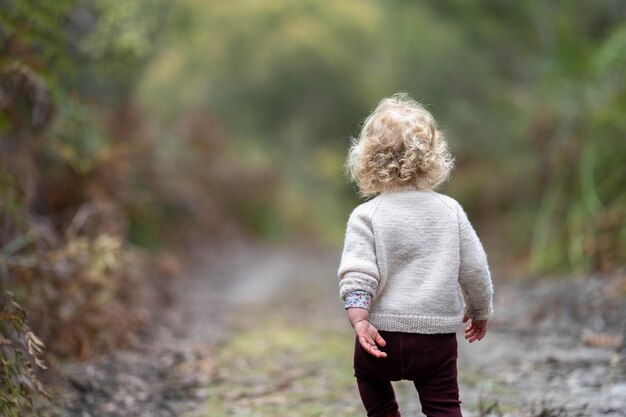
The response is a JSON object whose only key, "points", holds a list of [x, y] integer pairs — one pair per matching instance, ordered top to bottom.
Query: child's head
{"points": [[399, 145]]}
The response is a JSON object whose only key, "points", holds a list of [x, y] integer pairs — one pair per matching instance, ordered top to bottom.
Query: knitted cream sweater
{"points": [[419, 257]]}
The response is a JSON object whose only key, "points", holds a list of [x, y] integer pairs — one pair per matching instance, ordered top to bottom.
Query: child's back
{"points": [[414, 251]]}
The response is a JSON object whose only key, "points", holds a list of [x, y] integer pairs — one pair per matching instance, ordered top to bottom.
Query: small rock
{"points": [[619, 390], [109, 407]]}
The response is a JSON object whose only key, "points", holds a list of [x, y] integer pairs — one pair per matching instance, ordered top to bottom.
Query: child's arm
{"points": [[358, 270], [359, 276], [475, 280]]}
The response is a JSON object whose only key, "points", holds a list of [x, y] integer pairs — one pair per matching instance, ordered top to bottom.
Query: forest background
{"points": [[129, 130]]}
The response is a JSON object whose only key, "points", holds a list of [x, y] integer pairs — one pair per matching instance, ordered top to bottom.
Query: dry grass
{"points": [[20, 349], [275, 367]]}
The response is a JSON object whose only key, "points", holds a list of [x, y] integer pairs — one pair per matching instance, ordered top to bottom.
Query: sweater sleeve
{"points": [[358, 269], [474, 274]]}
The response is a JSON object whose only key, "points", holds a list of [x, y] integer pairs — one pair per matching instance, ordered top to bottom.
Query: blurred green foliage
{"points": [[530, 91], [237, 115], [66, 145]]}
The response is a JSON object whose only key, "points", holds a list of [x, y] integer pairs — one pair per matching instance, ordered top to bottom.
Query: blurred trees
{"points": [[562, 66], [291, 81], [529, 90], [578, 128], [70, 146]]}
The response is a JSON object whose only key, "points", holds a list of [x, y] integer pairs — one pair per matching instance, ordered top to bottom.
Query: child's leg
{"points": [[374, 376], [438, 383], [439, 395], [378, 397]]}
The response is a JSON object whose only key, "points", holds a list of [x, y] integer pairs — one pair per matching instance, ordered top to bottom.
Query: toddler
{"points": [[412, 267]]}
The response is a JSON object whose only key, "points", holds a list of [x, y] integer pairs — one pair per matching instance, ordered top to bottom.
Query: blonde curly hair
{"points": [[399, 146]]}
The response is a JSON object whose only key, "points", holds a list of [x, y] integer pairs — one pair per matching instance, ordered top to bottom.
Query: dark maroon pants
{"points": [[429, 360]]}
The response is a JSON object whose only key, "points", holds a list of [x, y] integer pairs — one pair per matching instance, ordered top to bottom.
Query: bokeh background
{"points": [[133, 131]]}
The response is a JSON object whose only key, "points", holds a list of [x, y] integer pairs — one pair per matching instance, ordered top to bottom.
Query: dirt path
{"points": [[260, 332]]}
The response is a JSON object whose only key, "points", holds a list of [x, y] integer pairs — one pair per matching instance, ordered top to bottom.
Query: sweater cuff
{"points": [[353, 281], [358, 299], [484, 314]]}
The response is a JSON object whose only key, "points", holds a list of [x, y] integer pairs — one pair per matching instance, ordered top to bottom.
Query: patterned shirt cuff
{"points": [[358, 299]]}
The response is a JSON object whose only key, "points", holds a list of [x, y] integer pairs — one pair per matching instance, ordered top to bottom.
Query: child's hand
{"points": [[476, 330], [367, 334], [369, 337]]}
